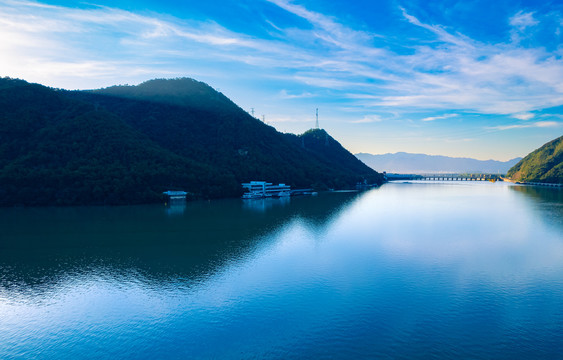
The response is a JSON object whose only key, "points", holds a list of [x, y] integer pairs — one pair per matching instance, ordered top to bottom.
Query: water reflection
{"points": [[544, 194], [547, 201], [261, 205], [177, 207], [484, 230], [191, 241], [405, 271]]}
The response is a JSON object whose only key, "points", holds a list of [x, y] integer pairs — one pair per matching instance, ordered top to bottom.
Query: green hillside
{"points": [[127, 144], [55, 150], [542, 165]]}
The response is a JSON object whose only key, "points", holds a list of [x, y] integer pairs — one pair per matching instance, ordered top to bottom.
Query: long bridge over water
{"points": [[445, 177], [463, 177]]}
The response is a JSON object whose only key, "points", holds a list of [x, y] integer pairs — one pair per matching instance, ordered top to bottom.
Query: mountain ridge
{"points": [[126, 144], [403, 162], [544, 164]]}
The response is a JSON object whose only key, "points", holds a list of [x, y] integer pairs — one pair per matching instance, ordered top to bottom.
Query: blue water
{"points": [[407, 271]]}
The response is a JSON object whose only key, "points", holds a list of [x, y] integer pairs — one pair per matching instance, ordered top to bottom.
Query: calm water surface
{"points": [[410, 270]]}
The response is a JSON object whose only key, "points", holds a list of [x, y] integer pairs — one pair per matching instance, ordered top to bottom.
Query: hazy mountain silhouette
{"points": [[406, 163]]}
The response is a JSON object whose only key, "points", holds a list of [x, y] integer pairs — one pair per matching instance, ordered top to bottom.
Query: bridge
{"points": [[445, 177], [460, 177]]}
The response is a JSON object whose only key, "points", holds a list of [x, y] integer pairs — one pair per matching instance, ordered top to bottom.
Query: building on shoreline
{"points": [[262, 189], [175, 195]]}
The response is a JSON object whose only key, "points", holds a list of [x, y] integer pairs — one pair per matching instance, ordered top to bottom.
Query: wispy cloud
{"points": [[522, 20], [331, 32], [443, 35], [117, 41], [441, 70], [461, 74], [284, 94], [523, 116], [433, 118], [288, 119], [367, 119], [538, 124], [548, 124]]}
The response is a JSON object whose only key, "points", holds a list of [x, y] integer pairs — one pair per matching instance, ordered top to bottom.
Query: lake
{"points": [[415, 270]]}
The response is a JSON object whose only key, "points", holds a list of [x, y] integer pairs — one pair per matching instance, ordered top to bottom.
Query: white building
{"points": [[260, 189]]}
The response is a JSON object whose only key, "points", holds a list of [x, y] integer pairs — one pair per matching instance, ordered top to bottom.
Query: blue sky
{"points": [[480, 79]]}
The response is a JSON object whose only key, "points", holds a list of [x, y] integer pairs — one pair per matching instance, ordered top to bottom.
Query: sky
{"points": [[470, 78]]}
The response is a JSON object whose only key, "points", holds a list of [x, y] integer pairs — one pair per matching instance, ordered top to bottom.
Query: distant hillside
{"points": [[127, 144], [406, 163], [542, 165]]}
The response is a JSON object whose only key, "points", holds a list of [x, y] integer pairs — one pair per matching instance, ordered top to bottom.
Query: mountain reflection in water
{"points": [[548, 201], [39, 246], [407, 271]]}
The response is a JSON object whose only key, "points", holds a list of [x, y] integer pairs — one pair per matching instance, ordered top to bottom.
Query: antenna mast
{"points": [[252, 111], [317, 123]]}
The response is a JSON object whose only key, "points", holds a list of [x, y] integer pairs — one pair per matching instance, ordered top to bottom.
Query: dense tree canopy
{"points": [[127, 144], [542, 165]]}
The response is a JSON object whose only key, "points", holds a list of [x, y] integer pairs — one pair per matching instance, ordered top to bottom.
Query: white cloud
{"points": [[522, 20], [520, 23], [332, 31], [458, 40], [451, 73], [284, 94], [523, 116], [432, 118], [287, 119], [367, 119], [538, 124], [548, 124]]}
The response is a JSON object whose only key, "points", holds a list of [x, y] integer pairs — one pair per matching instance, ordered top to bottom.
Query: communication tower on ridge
{"points": [[317, 123]]}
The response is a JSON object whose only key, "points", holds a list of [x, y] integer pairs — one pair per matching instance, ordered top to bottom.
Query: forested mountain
{"points": [[127, 144], [406, 163], [542, 165]]}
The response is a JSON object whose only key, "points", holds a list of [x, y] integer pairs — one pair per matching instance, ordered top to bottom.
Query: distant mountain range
{"points": [[128, 144], [407, 163], [541, 165]]}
